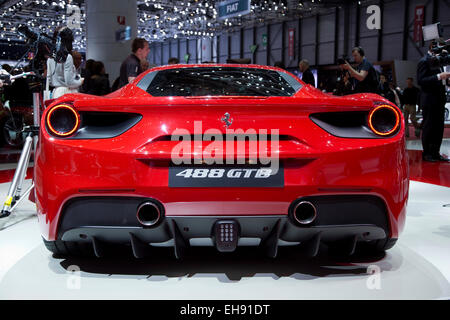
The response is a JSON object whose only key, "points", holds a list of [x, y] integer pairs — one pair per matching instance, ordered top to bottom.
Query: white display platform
{"points": [[418, 267]]}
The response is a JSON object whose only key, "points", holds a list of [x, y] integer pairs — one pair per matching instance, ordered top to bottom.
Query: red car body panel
{"points": [[135, 163]]}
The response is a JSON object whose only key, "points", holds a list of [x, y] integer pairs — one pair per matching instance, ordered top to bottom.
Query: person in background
{"points": [[77, 59], [173, 61], [280, 64], [145, 65], [131, 66], [44, 70], [61, 72], [86, 73], [365, 75], [307, 76], [432, 81], [115, 84], [99, 85], [344, 86], [384, 86], [387, 90], [410, 98], [396, 99], [419, 105]]}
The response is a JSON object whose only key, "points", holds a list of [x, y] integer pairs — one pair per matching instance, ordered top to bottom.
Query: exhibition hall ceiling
{"points": [[158, 20]]}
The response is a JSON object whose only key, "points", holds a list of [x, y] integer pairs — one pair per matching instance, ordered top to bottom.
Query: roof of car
{"points": [[208, 65]]}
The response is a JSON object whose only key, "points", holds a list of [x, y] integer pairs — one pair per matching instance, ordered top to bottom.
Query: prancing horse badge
{"points": [[227, 119]]}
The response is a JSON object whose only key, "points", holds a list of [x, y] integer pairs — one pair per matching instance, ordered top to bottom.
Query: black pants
{"points": [[432, 129]]}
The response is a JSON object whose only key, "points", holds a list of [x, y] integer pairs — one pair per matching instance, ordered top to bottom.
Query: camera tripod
{"points": [[40, 43], [15, 195]]}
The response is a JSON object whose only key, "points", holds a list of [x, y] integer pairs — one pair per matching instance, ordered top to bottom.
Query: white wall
{"points": [[101, 27]]}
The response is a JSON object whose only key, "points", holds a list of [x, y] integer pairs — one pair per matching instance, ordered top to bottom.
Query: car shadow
{"points": [[227, 267]]}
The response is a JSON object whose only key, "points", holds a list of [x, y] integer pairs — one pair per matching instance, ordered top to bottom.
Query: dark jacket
{"points": [[131, 67], [86, 74], [308, 77], [371, 82], [99, 85], [344, 88], [433, 90], [385, 91]]}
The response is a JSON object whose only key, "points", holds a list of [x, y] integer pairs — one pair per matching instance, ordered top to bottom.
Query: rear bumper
{"points": [[101, 220], [141, 241]]}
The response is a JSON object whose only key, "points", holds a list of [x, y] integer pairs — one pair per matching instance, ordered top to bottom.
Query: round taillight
{"points": [[63, 120], [384, 120]]}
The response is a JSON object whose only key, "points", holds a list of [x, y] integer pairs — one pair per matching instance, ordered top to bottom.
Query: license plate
{"points": [[251, 176]]}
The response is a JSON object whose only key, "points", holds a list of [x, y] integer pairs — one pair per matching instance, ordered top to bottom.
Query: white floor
{"points": [[418, 267]]}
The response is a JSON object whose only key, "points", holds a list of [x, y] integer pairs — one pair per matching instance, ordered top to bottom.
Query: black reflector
{"points": [[63, 120], [384, 120]]}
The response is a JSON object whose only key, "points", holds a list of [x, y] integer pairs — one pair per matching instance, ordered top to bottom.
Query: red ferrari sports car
{"points": [[220, 155]]}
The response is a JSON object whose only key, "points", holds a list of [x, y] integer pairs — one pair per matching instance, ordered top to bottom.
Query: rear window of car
{"points": [[219, 81]]}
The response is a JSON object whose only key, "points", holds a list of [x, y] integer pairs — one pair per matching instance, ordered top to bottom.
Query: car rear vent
{"points": [[106, 119], [342, 119], [346, 124], [103, 125]]}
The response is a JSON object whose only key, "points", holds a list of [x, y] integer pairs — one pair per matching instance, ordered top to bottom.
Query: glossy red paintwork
{"points": [[133, 164], [429, 172]]}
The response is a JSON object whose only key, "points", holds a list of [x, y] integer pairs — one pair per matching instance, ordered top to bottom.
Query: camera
{"points": [[37, 39], [40, 44], [439, 49], [441, 55], [343, 60], [340, 61]]}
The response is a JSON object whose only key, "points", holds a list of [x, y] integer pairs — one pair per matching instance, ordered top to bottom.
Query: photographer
{"points": [[61, 72], [365, 75], [432, 81]]}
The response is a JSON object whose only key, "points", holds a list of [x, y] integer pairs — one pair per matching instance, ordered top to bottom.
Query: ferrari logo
{"points": [[227, 119]]}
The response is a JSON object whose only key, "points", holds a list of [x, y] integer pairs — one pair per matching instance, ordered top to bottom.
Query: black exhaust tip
{"points": [[304, 213], [148, 214]]}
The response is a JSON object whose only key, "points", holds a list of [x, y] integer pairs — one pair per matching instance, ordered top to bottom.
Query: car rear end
{"points": [[148, 170]]}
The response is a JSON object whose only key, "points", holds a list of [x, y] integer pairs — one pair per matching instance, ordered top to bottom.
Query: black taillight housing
{"points": [[62, 120], [384, 120], [381, 121], [65, 122]]}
